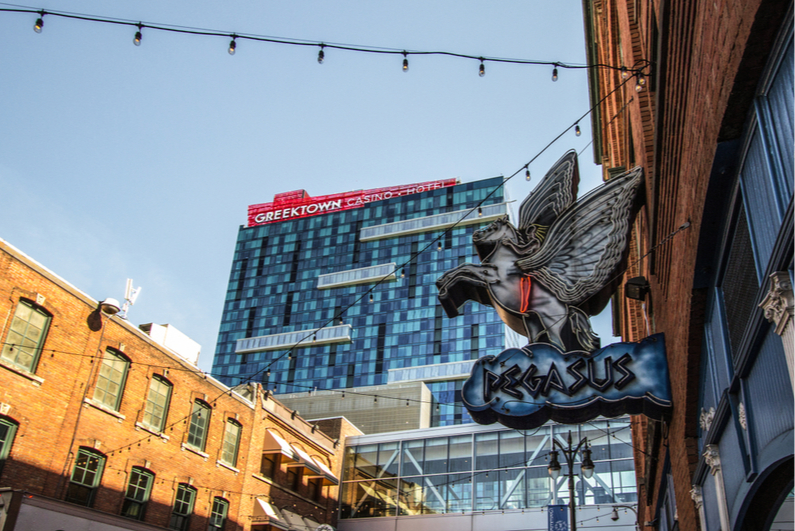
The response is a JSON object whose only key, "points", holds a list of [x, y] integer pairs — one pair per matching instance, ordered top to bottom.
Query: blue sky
{"points": [[119, 161]]}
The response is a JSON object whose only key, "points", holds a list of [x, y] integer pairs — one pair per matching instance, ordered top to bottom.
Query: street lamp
{"points": [[586, 468], [614, 516]]}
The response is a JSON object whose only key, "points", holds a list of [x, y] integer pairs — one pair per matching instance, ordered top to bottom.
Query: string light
{"points": [[37, 27], [138, 36], [302, 42], [233, 45], [321, 55], [405, 61], [555, 73], [624, 73], [641, 83], [577, 130], [527, 173], [480, 212], [439, 247], [371, 297]]}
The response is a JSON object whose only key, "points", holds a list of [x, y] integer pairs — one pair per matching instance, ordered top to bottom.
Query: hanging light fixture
{"points": [[37, 27], [138, 36], [233, 45], [321, 55], [405, 61], [482, 70], [624, 73], [555, 74], [640, 83], [577, 130], [527, 173], [480, 212]]}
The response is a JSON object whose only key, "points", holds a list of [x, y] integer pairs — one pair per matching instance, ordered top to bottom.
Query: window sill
{"points": [[37, 380], [104, 409], [156, 433], [195, 451], [227, 465], [263, 479]]}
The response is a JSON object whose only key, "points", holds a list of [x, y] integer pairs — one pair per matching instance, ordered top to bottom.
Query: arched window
{"points": [[26, 336], [111, 379], [157, 402], [199, 424], [8, 429], [231, 444], [86, 476], [139, 488], [183, 507], [218, 514]]}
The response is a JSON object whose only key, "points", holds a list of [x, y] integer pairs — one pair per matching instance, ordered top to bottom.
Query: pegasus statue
{"points": [[560, 266]]}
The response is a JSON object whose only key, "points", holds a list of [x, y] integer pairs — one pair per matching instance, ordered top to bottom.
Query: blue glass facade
{"points": [[299, 275]]}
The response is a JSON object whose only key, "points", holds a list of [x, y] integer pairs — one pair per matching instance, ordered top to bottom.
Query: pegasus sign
{"points": [[545, 278]]}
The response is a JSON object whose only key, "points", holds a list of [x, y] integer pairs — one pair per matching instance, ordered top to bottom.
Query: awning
{"points": [[274, 444], [302, 459], [328, 476], [265, 513], [298, 522]]}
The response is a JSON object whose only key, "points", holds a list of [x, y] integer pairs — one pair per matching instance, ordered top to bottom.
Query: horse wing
{"points": [[556, 192], [586, 245]]}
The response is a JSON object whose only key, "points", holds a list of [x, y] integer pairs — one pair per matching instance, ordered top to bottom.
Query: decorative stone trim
{"points": [[779, 304], [741, 416], [706, 418], [712, 458], [695, 495]]}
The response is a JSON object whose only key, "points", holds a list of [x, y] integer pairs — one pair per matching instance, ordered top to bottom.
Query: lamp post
{"points": [[570, 453], [614, 516]]}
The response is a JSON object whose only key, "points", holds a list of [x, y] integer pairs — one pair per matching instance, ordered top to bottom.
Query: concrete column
{"points": [[779, 308], [712, 458], [698, 500]]}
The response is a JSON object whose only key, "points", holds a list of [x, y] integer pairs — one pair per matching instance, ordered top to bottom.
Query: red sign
{"points": [[298, 204]]}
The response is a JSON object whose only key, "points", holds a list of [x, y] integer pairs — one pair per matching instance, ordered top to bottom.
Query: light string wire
{"points": [[638, 69], [439, 238], [368, 292]]}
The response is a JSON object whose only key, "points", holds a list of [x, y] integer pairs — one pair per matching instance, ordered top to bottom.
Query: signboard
{"points": [[298, 204], [545, 278], [524, 388], [557, 518]]}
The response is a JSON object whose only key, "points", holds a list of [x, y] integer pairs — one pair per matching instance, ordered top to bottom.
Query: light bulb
{"points": [[38, 25], [137, 38], [232, 46], [321, 55], [405, 62], [482, 71], [624, 73], [554, 74], [640, 83], [577, 130], [527, 173], [480, 212], [439, 248], [371, 297]]}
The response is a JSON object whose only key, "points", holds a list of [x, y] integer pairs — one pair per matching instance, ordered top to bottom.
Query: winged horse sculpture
{"points": [[559, 266]]}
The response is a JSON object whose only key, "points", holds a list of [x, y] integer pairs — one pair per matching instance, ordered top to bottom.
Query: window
{"points": [[26, 336], [110, 383], [157, 403], [199, 421], [7, 431], [231, 442], [269, 465], [85, 477], [293, 478], [315, 488], [138, 490], [183, 507], [218, 514]]}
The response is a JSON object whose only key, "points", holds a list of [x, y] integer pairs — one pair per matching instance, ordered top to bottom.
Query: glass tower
{"points": [[340, 292]]}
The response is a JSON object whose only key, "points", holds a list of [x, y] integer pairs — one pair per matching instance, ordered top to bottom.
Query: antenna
{"points": [[130, 295]]}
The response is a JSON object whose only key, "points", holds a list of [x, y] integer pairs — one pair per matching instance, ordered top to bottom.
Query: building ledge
{"points": [[37, 380], [104, 409]]}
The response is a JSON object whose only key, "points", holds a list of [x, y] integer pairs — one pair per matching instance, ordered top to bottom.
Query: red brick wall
{"points": [[55, 421]]}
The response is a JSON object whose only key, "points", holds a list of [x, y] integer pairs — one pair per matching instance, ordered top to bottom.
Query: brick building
{"points": [[706, 108], [99, 423]]}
